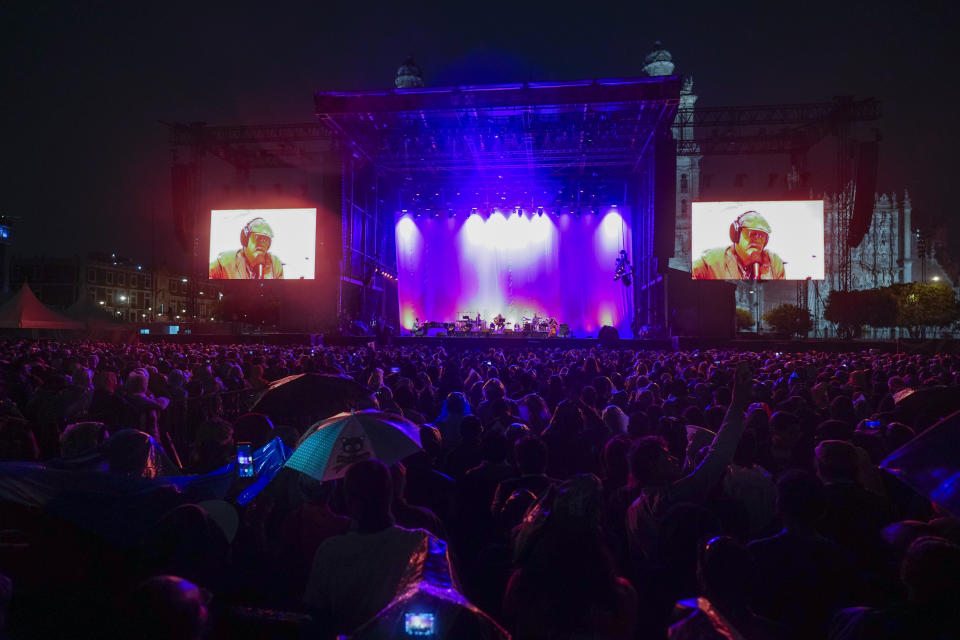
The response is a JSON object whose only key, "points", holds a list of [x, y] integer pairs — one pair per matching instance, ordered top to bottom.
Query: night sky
{"points": [[86, 164]]}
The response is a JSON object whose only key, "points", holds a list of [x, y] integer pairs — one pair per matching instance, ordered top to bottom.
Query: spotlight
{"points": [[474, 211], [539, 211]]}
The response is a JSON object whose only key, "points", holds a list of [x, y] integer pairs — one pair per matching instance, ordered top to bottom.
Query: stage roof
{"points": [[512, 127]]}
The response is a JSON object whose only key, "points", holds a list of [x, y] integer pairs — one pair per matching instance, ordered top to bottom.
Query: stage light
{"points": [[474, 211], [539, 211], [936, 278], [183, 280], [123, 298], [102, 302]]}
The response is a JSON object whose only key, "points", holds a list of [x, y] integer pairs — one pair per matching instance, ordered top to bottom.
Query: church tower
{"points": [[659, 62], [409, 75]]}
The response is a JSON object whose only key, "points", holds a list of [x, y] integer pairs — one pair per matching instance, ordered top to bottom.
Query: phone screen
{"points": [[244, 460], [419, 624]]}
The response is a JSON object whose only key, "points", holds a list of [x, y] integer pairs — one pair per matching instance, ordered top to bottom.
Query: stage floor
{"points": [[502, 342]]}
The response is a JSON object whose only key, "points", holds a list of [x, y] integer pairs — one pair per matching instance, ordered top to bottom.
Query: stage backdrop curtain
{"points": [[516, 265]]}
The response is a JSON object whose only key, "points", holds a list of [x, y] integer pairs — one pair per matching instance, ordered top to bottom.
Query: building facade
{"points": [[888, 253], [123, 290]]}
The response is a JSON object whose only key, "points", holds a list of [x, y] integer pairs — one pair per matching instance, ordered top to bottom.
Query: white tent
{"points": [[24, 311]]}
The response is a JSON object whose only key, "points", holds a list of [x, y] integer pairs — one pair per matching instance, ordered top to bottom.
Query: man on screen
{"points": [[747, 258], [253, 261]]}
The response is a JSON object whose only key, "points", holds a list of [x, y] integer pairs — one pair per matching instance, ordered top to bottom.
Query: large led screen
{"points": [[758, 240], [262, 244], [527, 269]]}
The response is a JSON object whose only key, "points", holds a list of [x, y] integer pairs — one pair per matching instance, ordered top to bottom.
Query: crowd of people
{"points": [[578, 493]]}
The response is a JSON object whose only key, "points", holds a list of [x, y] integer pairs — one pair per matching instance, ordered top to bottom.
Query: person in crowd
{"points": [[455, 409], [530, 455], [800, 475], [407, 515], [304, 529], [725, 573], [930, 574], [355, 575], [802, 577], [566, 584], [165, 607]]}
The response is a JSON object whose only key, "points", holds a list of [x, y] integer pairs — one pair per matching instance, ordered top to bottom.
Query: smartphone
{"points": [[394, 369], [872, 424], [244, 460], [419, 624]]}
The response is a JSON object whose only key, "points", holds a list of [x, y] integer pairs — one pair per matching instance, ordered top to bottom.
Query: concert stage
{"points": [[520, 200]]}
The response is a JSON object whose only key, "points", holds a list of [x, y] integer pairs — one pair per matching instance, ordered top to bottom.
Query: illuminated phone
{"points": [[244, 460], [419, 624]]}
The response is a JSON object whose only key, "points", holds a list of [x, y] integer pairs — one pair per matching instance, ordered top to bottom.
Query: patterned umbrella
{"points": [[332, 445]]}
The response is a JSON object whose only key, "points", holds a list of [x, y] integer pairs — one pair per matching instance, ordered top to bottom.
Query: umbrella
{"points": [[312, 394], [935, 402], [332, 445], [930, 463], [428, 603]]}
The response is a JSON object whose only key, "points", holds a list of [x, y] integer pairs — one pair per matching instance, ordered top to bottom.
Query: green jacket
{"points": [[721, 264], [231, 265]]}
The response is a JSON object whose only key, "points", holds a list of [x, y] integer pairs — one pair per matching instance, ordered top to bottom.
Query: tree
{"points": [[922, 305], [843, 308], [851, 310], [744, 319], [789, 319]]}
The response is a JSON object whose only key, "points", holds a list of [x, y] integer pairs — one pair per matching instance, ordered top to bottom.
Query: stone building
{"points": [[888, 253], [124, 290]]}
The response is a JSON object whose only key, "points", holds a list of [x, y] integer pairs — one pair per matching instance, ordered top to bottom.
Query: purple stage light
{"points": [[515, 265]]}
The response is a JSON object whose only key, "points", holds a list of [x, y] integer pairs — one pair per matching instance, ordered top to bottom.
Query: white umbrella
{"points": [[330, 446]]}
